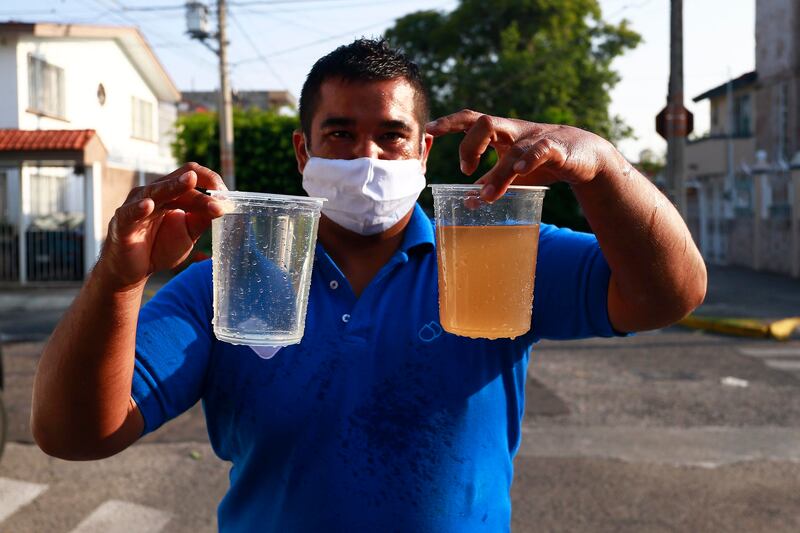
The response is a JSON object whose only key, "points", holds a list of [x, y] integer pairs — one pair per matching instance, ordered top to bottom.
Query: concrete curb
{"points": [[781, 330]]}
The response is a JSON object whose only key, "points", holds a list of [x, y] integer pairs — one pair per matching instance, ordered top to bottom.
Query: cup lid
{"points": [[246, 196]]}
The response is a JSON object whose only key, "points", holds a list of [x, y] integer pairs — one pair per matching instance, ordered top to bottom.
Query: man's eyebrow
{"points": [[337, 121], [396, 125]]}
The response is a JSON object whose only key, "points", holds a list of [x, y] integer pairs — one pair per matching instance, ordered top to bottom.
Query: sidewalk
{"points": [[741, 292], [744, 302], [31, 313]]}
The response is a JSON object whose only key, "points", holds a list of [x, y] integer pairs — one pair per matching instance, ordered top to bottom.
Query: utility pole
{"points": [[197, 23], [225, 101], [676, 122]]}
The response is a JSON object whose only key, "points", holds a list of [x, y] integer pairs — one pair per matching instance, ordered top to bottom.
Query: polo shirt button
{"points": [[334, 284], [345, 318]]}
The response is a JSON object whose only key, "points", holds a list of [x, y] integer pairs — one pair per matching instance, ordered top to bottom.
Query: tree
{"points": [[541, 60], [264, 155], [650, 164]]}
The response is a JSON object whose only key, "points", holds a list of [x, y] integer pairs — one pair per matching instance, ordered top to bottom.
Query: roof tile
{"points": [[43, 140]]}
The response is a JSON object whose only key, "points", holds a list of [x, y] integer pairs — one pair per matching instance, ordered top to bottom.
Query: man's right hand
{"points": [[158, 224]]}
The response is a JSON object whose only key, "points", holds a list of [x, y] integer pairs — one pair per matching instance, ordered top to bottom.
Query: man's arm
{"points": [[657, 273], [82, 405]]}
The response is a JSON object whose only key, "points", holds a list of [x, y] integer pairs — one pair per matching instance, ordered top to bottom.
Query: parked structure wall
{"points": [[778, 67], [9, 117], [117, 183], [740, 243]]}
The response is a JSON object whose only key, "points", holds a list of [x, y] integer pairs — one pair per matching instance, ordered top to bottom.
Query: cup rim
{"points": [[478, 187], [266, 197]]}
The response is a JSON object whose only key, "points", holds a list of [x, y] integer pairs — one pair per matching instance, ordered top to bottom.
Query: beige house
{"points": [[87, 113], [744, 176]]}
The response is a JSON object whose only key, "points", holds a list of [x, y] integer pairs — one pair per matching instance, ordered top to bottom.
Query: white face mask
{"points": [[365, 195]]}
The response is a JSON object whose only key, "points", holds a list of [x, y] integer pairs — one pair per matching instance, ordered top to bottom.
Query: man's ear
{"points": [[428, 142], [300, 153]]}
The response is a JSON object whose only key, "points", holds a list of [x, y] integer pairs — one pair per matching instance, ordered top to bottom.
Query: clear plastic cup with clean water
{"points": [[263, 253], [486, 255]]}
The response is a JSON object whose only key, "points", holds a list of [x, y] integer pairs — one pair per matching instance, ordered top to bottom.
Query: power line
{"points": [[244, 3], [176, 7], [626, 7], [304, 9], [17, 13], [290, 20], [326, 39], [165, 40], [318, 41], [255, 48]]}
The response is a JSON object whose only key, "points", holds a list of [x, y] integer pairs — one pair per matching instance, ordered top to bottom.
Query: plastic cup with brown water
{"points": [[487, 259]]}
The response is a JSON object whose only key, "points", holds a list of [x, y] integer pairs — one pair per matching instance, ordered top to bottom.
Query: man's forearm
{"points": [[658, 275], [81, 399]]}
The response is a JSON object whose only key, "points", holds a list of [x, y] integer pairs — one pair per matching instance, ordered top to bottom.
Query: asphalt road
{"points": [[668, 431]]}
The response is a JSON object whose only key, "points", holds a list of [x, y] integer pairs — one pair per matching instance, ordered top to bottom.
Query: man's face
{"points": [[371, 119]]}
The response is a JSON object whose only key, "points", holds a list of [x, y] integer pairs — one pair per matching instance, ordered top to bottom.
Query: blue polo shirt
{"points": [[378, 420]]}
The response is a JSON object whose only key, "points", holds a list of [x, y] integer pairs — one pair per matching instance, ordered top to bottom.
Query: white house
{"points": [[87, 113]]}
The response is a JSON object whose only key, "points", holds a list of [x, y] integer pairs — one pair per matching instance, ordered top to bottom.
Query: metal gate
{"points": [[41, 224], [9, 236]]}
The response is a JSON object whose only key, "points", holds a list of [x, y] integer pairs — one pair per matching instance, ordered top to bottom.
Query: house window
{"points": [[45, 87], [782, 108], [742, 116], [142, 119], [779, 189], [55, 193], [743, 193], [3, 197]]}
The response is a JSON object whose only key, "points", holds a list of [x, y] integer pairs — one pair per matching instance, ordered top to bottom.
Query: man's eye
{"points": [[340, 134], [393, 136]]}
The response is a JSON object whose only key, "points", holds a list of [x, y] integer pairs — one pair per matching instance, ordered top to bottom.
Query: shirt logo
{"points": [[430, 331]]}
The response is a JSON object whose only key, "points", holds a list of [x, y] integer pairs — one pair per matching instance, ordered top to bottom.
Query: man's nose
{"points": [[368, 148]]}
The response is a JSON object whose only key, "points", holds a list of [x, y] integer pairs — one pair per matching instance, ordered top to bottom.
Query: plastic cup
{"points": [[263, 253], [487, 259]]}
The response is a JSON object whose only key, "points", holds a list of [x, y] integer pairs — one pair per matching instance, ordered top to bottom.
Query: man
{"points": [[377, 421]]}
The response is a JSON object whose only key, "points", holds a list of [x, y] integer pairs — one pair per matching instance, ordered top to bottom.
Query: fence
{"points": [[51, 216]]}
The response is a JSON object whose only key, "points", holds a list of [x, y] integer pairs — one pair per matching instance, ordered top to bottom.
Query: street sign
{"points": [[683, 122]]}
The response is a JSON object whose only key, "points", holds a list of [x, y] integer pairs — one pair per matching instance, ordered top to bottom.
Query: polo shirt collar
{"points": [[419, 231]]}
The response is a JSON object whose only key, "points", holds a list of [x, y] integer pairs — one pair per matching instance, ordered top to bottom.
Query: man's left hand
{"points": [[529, 153]]}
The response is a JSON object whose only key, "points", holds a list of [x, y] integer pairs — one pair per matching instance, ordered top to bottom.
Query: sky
{"points": [[275, 42]]}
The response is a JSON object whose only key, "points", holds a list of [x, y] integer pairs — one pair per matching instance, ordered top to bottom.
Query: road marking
{"points": [[771, 352], [783, 364], [704, 446], [15, 494], [115, 516]]}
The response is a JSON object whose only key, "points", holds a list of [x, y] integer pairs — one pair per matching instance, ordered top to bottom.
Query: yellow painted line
{"points": [[744, 327], [782, 329]]}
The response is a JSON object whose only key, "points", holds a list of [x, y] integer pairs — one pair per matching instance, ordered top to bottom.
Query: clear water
{"points": [[262, 260]]}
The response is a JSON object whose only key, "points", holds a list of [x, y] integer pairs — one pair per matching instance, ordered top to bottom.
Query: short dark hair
{"points": [[363, 60]]}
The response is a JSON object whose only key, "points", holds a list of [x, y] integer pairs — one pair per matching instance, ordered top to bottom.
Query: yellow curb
{"points": [[744, 327], [782, 329]]}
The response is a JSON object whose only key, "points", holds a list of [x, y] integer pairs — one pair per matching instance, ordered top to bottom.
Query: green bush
{"points": [[263, 153]]}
